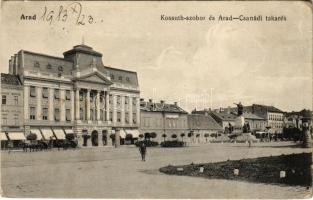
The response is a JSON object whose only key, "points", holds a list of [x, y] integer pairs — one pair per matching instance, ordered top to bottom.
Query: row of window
{"points": [[48, 66], [120, 78], [45, 93], [5, 100], [32, 114], [275, 117], [15, 120], [170, 123], [276, 125]]}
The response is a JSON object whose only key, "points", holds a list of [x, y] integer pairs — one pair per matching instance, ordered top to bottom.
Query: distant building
{"points": [[273, 116], [162, 118], [295, 119], [256, 123], [203, 127]]}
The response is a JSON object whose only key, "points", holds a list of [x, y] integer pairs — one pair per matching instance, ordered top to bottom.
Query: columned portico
{"points": [[77, 101], [88, 104], [98, 105], [107, 106], [114, 109], [130, 110]]}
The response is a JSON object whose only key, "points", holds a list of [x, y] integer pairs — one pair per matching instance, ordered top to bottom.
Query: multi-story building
{"points": [[77, 93], [11, 108], [273, 116], [163, 118], [203, 127]]}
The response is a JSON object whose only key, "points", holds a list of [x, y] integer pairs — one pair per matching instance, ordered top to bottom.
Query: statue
{"points": [[239, 108]]}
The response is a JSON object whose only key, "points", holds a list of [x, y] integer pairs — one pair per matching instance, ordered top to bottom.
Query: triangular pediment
{"points": [[95, 77]]}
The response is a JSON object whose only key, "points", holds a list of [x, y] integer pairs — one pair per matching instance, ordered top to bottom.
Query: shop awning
{"points": [[68, 131], [134, 132], [37, 133], [47, 133], [59, 133], [122, 133], [16, 136], [3, 137]]}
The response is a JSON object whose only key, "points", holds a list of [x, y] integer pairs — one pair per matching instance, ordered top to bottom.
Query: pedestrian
{"points": [[143, 151]]}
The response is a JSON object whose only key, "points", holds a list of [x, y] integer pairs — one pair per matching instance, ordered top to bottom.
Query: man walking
{"points": [[143, 151]]}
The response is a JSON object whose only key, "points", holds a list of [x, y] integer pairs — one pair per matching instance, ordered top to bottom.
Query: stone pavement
{"points": [[119, 173]]}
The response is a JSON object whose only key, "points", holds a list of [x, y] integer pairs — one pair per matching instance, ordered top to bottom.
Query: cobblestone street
{"points": [[118, 173]]}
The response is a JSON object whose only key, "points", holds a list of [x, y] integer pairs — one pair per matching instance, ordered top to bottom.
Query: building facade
{"points": [[77, 93], [11, 103], [163, 118], [203, 127]]}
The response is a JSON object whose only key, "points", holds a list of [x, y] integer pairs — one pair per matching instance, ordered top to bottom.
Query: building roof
{"points": [[82, 49], [122, 76], [10, 79], [161, 107], [267, 108], [225, 116], [252, 116], [198, 121]]}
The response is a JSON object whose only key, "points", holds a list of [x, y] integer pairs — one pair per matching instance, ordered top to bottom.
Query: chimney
{"points": [[16, 64], [10, 67], [150, 100], [228, 110]]}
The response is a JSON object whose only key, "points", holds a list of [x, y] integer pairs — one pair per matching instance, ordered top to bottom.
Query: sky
{"points": [[199, 64]]}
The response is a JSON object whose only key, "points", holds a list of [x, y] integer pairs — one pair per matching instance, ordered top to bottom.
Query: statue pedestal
{"points": [[239, 122]]}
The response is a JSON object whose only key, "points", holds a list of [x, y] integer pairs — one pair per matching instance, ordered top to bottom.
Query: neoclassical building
{"points": [[76, 93]]}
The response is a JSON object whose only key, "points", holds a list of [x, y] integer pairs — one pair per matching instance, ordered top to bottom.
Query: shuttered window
{"points": [[32, 91], [57, 114]]}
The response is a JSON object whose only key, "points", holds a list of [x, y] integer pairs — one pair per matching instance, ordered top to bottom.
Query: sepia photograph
{"points": [[156, 99]]}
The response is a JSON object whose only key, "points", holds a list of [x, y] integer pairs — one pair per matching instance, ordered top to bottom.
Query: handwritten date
{"points": [[73, 11]]}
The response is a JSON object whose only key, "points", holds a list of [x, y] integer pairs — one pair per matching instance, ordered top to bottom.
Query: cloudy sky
{"points": [[197, 63]]}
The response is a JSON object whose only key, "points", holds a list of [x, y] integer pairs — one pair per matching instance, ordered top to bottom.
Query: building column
{"points": [[77, 101], [26, 102], [51, 104], [88, 104], [62, 105], [72, 105], [98, 105], [107, 105], [38, 107], [114, 109], [123, 110], [130, 110], [138, 110]]}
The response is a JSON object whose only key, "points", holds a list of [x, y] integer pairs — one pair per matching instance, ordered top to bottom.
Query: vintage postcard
{"points": [[156, 99]]}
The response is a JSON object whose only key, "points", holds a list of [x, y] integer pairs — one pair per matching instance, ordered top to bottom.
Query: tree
{"points": [[190, 134], [153, 135], [206, 135], [147, 136], [164, 136], [174, 136], [182, 136]]}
